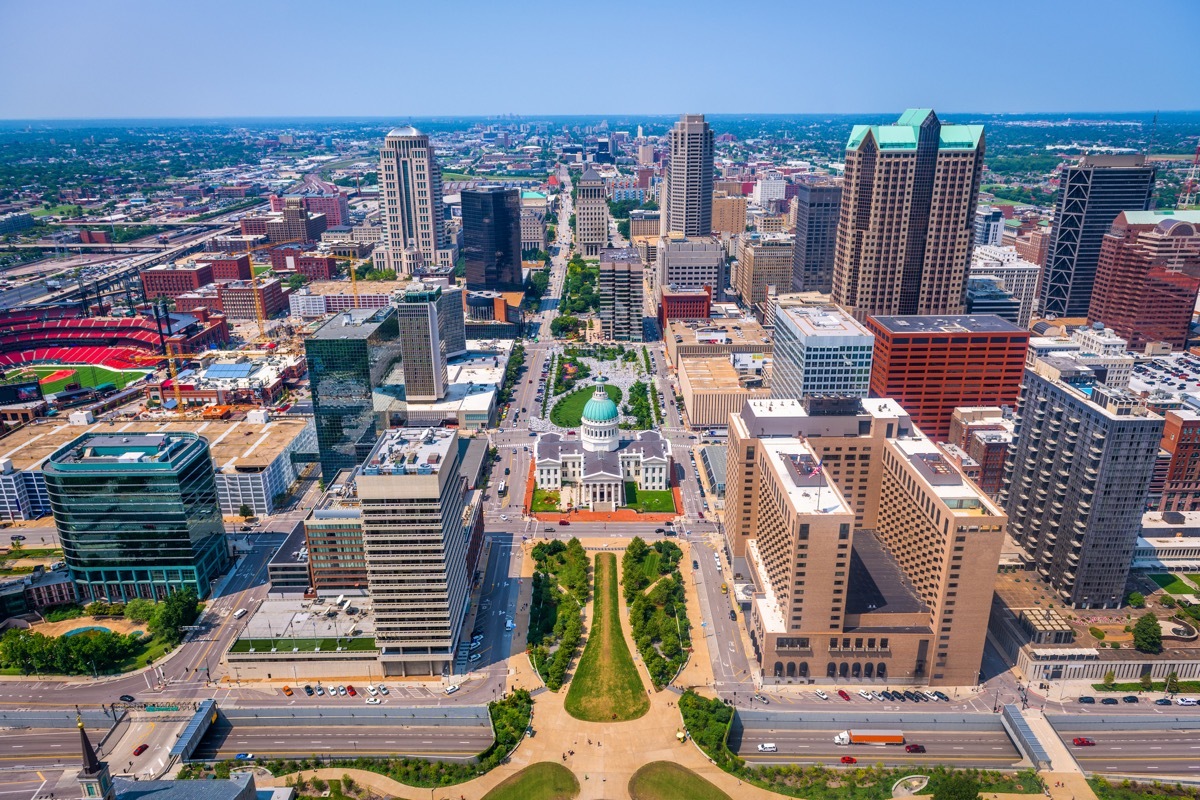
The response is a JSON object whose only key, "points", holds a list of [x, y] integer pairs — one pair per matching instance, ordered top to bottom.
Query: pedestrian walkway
{"points": [[1061, 760]]}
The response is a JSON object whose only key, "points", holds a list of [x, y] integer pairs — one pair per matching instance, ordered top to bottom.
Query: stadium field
{"points": [[88, 375]]}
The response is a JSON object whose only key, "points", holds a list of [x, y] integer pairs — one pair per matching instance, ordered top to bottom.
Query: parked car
{"points": [[695, 564], [475, 657], [383, 689], [451, 689], [287, 690], [308, 690], [341, 690], [320, 691], [350, 691], [842, 693], [864, 694], [822, 695], [945, 698], [1129, 698], [1087, 700], [1109, 701], [914, 748], [244, 756]]}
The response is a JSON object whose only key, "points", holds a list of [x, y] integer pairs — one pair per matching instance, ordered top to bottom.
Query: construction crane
{"points": [[1191, 184], [173, 371]]}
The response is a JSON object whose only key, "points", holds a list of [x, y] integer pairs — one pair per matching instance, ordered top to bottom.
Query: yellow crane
{"points": [[173, 371]]}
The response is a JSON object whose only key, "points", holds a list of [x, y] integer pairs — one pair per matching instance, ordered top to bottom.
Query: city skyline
{"points": [[874, 79]]}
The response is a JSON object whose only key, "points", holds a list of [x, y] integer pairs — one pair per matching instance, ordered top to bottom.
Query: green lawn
{"points": [[58, 211], [259, 269], [86, 374], [568, 411], [545, 500], [645, 500], [650, 564], [1194, 579], [1172, 584], [305, 645], [606, 686], [1185, 687], [666, 780], [542, 781]]}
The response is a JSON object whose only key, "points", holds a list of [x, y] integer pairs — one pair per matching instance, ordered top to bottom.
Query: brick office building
{"points": [[296, 258], [231, 268], [172, 280], [932, 364]]}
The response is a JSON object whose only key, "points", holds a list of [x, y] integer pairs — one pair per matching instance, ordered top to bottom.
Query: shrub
{"points": [[1096, 633]]}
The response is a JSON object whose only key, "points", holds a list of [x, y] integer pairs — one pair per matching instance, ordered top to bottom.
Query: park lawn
{"points": [[58, 210], [259, 269], [87, 375], [568, 411], [545, 500], [646, 500], [650, 564], [1194, 579], [1172, 584], [155, 649], [606, 686], [1160, 687], [666, 780], [542, 781]]}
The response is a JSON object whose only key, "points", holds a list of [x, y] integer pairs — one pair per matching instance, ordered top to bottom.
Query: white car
{"points": [[504, 517], [476, 645], [475, 657], [451, 689], [371, 690], [864, 694], [822, 695], [373, 701], [768, 747]]}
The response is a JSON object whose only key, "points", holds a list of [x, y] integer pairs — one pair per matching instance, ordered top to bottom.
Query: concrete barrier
{"points": [[415, 716]]}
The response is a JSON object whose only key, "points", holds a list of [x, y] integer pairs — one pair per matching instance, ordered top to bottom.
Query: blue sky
{"points": [[216, 58]]}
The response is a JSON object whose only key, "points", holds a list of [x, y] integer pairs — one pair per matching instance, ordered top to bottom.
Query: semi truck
{"points": [[877, 737]]}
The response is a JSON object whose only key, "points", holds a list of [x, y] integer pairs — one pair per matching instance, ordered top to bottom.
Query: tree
{"points": [[246, 511], [1137, 599], [139, 610], [178, 610], [1147, 635], [1110, 678], [1146, 682], [1172, 682], [957, 787]]}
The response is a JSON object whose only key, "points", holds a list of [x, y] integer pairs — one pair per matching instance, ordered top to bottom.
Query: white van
{"points": [[241, 612], [1188, 701], [768, 747]]}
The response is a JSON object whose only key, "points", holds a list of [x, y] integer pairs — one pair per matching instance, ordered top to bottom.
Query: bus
{"points": [[503, 488]]}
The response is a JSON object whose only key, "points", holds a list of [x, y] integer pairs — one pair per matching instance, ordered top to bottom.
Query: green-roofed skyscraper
{"points": [[908, 207]]}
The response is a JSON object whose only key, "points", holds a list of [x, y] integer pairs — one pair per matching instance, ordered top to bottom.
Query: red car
{"points": [[564, 522], [350, 691], [844, 695], [1083, 741], [141, 748], [914, 748], [849, 760]]}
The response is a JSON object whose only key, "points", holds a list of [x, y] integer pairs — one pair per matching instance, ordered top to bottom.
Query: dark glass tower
{"points": [[818, 207], [492, 238], [354, 372], [137, 514]]}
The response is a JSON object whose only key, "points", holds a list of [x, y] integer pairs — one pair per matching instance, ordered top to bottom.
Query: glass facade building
{"points": [[491, 218], [354, 368], [138, 515]]}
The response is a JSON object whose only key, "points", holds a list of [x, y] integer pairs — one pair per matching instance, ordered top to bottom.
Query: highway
{"points": [[293, 741], [42, 748], [985, 749], [1156, 749]]}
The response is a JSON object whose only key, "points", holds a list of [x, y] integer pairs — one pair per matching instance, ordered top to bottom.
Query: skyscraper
{"points": [[688, 181], [410, 185], [1090, 196], [818, 206], [908, 210], [591, 214], [491, 218], [989, 226], [764, 260], [1147, 277], [620, 290], [820, 351], [424, 353], [351, 358], [1077, 479], [412, 496], [138, 514]]}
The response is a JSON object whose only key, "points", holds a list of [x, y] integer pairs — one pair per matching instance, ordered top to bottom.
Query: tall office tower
{"points": [[688, 180], [410, 185], [1090, 196], [818, 206], [908, 206], [591, 214], [728, 214], [491, 219], [989, 226], [764, 260], [689, 264], [1018, 276], [1146, 277], [620, 290], [423, 351], [820, 351], [350, 359], [930, 365], [1181, 440], [1077, 478], [411, 500], [137, 514], [871, 557]]}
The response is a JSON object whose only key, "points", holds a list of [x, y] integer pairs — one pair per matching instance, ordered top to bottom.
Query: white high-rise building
{"points": [[688, 182], [771, 186], [410, 192], [591, 214], [1019, 277], [820, 351]]}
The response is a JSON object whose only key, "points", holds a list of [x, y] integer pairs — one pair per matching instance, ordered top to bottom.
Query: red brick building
{"points": [[326, 200], [292, 224], [94, 237], [312, 265], [232, 268], [1148, 276], [172, 280], [238, 298], [684, 305], [932, 364], [1181, 438]]}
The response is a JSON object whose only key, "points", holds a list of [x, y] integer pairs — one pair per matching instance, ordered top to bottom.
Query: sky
{"points": [[82, 59]]}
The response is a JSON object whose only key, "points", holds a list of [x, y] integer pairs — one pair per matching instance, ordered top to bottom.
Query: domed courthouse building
{"points": [[591, 471]]}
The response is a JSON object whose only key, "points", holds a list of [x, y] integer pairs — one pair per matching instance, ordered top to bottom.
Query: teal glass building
{"points": [[137, 514]]}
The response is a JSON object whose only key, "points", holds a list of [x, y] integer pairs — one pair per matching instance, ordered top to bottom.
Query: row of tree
{"points": [[560, 589], [658, 618]]}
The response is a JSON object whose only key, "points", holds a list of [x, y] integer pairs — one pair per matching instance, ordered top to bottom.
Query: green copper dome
{"points": [[600, 408]]}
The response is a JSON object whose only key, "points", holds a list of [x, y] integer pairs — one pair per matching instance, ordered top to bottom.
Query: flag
{"points": [[816, 470]]}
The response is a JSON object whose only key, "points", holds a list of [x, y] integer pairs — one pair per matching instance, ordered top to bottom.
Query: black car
{"points": [[660, 530], [16, 537], [695, 564], [732, 615], [308, 690], [886, 695], [127, 698], [945, 698], [1129, 698], [1087, 701], [1109, 701], [1162, 701]]}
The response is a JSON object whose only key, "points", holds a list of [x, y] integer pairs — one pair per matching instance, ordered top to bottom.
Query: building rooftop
{"points": [[903, 134], [827, 321], [358, 323], [949, 324], [718, 331], [713, 373], [234, 445], [108, 450], [410, 451], [798, 472], [943, 479], [876, 582]]}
